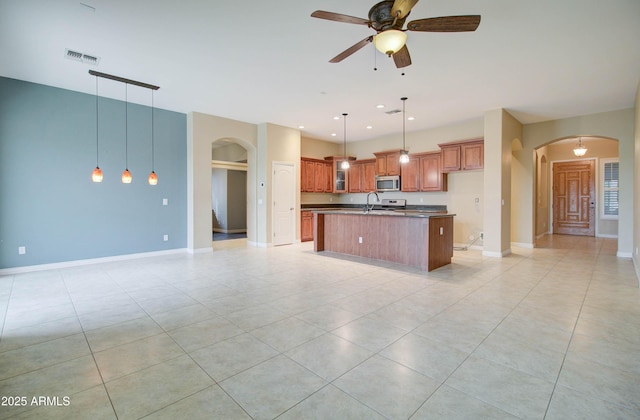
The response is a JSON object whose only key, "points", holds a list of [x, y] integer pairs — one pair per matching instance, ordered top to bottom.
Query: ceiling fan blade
{"points": [[402, 6], [321, 14], [446, 24], [346, 53], [402, 58]]}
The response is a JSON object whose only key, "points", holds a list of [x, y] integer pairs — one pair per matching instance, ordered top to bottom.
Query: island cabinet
{"points": [[462, 155], [388, 163], [423, 172], [315, 175], [362, 176], [306, 226], [424, 241]]}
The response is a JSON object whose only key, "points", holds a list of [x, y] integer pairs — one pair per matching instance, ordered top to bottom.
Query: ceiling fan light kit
{"points": [[387, 19], [390, 42]]}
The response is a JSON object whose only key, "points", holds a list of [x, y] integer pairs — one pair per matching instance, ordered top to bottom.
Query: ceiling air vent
{"points": [[81, 57], [393, 111]]}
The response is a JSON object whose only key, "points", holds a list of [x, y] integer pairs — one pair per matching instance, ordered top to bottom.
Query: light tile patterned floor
{"points": [[242, 332]]}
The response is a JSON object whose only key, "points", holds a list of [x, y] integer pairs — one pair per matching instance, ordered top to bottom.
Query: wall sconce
{"points": [[153, 178]]}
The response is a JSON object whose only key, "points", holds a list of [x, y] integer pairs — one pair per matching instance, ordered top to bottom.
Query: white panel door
{"points": [[284, 203]]}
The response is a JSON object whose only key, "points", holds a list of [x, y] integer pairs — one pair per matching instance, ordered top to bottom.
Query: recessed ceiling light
{"points": [[380, 106], [336, 118], [411, 118], [301, 127], [369, 127], [333, 134]]}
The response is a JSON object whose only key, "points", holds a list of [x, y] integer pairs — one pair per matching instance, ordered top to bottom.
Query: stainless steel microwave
{"points": [[388, 183]]}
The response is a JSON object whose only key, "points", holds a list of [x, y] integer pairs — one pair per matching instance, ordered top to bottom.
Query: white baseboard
{"points": [[522, 244], [199, 250], [497, 254], [620, 254], [76, 263]]}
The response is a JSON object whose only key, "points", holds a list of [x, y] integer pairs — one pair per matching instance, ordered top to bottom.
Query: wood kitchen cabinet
{"points": [[462, 155], [388, 163], [423, 172], [410, 174], [315, 175], [339, 176], [362, 176], [432, 178], [306, 226]]}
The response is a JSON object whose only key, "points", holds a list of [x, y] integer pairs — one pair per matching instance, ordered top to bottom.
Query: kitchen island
{"points": [[414, 238]]}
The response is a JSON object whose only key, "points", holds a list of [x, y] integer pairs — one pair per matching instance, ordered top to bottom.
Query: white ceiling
{"points": [[267, 61]]}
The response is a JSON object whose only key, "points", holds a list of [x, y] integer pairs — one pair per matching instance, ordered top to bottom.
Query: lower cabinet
{"points": [[306, 226]]}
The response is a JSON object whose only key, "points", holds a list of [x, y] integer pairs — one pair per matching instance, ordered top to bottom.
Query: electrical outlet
{"points": [[165, 201], [166, 238], [359, 239], [22, 250]]}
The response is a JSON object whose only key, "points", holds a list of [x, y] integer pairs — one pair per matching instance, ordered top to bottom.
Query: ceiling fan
{"points": [[387, 19]]}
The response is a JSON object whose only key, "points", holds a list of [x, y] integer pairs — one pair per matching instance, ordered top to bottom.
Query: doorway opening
{"points": [[573, 193], [228, 194]]}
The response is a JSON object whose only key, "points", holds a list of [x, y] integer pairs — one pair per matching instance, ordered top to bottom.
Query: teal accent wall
{"points": [[48, 203]]}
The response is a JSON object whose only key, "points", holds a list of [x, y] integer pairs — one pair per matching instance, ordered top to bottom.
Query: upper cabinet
{"points": [[462, 155], [388, 163], [423, 172], [315, 175], [339, 176], [362, 176]]}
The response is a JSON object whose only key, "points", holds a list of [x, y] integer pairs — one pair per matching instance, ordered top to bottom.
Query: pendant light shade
{"points": [[390, 41], [580, 150], [404, 153], [345, 162], [96, 175], [126, 177], [153, 178]]}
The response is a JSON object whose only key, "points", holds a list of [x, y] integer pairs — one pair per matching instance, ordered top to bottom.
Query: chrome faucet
{"points": [[368, 208]]}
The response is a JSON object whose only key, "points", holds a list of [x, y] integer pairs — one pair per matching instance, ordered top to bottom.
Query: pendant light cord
{"points": [[404, 120], [152, 125], [126, 127], [97, 128], [345, 136]]}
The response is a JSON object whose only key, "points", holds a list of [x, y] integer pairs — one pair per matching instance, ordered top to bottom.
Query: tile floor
{"points": [[244, 332]]}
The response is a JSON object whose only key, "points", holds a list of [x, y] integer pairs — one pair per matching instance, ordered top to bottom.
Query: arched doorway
{"points": [[603, 152], [228, 192]]}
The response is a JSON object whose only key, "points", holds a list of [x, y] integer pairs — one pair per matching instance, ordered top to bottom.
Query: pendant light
{"points": [[580, 150], [404, 154], [345, 162], [96, 175], [126, 175], [153, 178]]}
